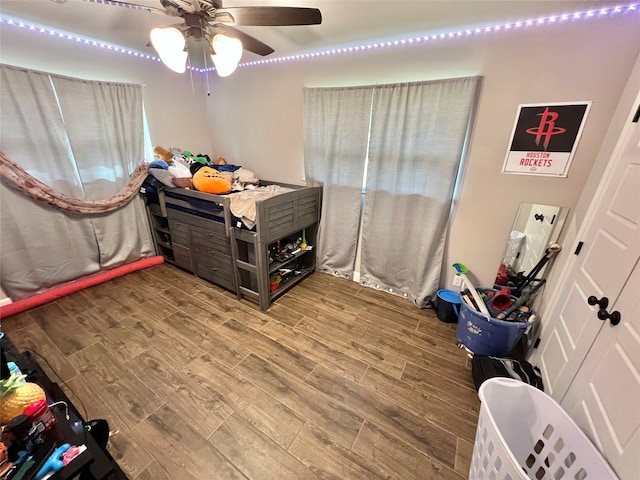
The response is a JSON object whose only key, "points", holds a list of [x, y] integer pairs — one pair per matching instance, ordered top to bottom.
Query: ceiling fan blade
{"points": [[175, 8], [268, 16], [249, 43]]}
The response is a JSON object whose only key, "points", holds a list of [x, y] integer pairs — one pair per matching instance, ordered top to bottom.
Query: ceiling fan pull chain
{"points": [[206, 72], [193, 90]]}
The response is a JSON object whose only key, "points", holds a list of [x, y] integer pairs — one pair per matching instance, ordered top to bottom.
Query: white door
{"points": [[537, 232], [611, 248], [604, 398]]}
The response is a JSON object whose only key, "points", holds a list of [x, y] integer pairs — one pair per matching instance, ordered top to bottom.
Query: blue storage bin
{"points": [[447, 305], [486, 335]]}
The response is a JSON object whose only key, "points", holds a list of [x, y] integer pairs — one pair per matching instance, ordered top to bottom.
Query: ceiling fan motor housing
{"points": [[205, 19], [196, 24]]}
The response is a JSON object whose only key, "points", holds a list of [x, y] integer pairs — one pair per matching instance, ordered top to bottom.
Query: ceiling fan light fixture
{"points": [[169, 43], [227, 54], [223, 67]]}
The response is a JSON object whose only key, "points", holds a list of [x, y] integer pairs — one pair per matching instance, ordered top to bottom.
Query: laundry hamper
{"points": [[486, 335], [523, 434]]}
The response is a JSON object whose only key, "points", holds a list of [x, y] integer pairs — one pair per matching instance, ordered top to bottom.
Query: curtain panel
{"points": [[336, 125], [105, 129], [418, 133], [82, 139], [402, 144]]}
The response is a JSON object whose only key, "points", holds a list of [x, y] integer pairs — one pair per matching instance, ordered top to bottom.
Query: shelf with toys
{"points": [[290, 260], [268, 270]]}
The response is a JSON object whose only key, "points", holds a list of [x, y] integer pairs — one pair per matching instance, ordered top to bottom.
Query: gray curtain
{"points": [[336, 126], [418, 133], [83, 139], [107, 139], [406, 141]]}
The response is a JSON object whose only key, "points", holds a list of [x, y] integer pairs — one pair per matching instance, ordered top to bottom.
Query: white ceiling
{"points": [[344, 21]]}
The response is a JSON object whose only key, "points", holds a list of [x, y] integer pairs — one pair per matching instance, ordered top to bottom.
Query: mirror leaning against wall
{"points": [[535, 228]]}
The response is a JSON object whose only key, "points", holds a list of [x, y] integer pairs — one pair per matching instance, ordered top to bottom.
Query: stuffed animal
{"points": [[163, 154], [197, 164], [209, 180]]}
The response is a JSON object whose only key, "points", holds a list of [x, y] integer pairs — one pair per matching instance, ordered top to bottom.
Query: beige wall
{"points": [[256, 115], [177, 116], [253, 118], [572, 228]]}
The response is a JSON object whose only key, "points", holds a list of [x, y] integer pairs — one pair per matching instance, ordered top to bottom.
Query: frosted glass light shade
{"points": [[169, 43], [228, 52]]}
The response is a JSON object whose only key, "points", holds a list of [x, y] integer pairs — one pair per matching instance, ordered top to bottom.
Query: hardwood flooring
{"points": [[335, 381]]}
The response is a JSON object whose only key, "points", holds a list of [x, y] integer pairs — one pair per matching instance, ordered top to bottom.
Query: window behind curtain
{"points": [[336, 125], [82, 139], [415, 145]]}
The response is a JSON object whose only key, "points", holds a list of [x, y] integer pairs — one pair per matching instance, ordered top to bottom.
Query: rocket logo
{"points": [[546, 128], [544, 138]]}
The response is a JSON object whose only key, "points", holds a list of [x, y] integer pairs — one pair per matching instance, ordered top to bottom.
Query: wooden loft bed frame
{"points": [[206, 239]]}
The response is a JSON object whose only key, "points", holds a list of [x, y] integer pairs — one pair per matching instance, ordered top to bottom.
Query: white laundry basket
{"points": [[524, 434]]}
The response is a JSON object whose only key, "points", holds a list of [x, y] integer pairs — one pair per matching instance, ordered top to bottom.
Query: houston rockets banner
{"points": [[544, 138]]}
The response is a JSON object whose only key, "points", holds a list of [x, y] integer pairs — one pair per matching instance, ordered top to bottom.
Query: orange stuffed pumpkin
{"points": [[209, 180]]}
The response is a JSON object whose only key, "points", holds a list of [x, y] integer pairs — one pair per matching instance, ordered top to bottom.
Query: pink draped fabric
{"points": [[18, 178]]}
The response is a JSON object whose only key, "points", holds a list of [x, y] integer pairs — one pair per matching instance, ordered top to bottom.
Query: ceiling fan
{"points": [[210, 22]]}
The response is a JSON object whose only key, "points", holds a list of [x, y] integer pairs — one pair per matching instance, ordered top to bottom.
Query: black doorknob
{"points": [[539, 217], [603, 303], [614, 317]]}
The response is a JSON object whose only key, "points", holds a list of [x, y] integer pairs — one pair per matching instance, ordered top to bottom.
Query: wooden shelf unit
{"points": [[279, 219], [159, 224], [255, 271]]}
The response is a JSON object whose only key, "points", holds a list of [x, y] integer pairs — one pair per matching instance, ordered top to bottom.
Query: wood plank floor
{"points": [[335, 381]]}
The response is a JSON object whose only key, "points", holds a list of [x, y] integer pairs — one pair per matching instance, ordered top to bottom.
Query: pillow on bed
{"points": [[160, 170], [179, 170], [244, 175], [243, 179]]}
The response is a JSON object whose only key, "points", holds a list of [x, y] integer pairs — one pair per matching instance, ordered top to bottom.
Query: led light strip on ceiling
{"points": [[551, 20], [516, 25], [56, 33]]}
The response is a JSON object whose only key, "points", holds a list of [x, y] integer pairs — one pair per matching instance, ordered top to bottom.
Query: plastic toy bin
{"points": [[486, 335], [524, 434]]}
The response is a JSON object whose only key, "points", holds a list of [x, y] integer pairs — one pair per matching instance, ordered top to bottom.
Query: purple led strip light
{"points": [[552, 19]]}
